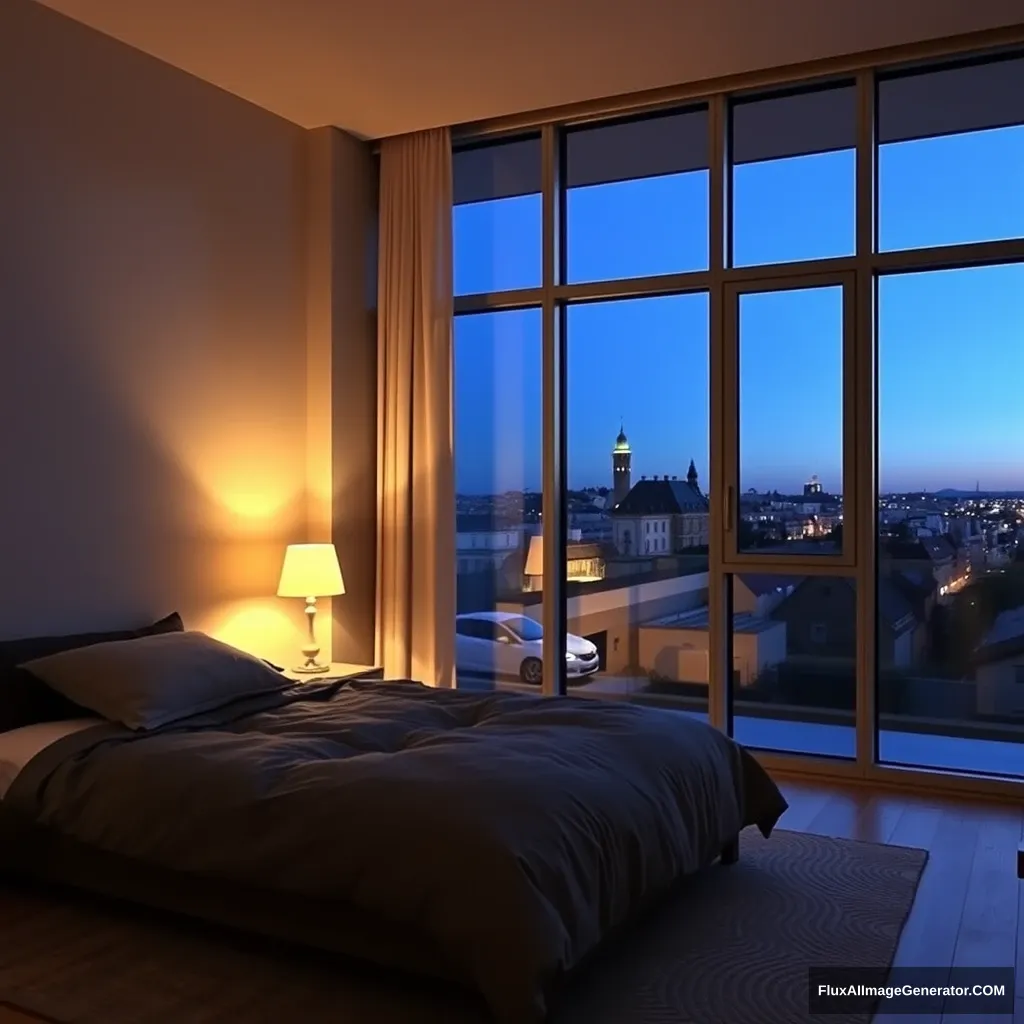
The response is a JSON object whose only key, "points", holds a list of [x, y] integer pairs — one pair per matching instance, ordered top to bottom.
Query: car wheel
{"points": [[531, 671]]}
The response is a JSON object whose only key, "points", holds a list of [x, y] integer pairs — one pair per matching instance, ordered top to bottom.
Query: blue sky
{"points": [[951, 343]]}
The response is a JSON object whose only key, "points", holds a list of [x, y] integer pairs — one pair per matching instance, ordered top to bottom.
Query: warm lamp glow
{"points": [[535, 557], [310, 570], [259, 626]]}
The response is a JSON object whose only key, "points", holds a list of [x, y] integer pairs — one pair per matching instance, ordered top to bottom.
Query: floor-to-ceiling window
{"points": [[788, 343], [760, 355], [950, 362], [637, 378], [497, 414], [638, 449], [950, 551]]}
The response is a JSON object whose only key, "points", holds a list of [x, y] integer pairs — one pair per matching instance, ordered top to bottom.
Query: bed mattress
{"points": [[19, 746], [489, 839]]}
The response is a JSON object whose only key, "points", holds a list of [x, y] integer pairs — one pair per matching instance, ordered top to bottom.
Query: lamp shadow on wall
{"points": [[137, 495], [243, 500]]}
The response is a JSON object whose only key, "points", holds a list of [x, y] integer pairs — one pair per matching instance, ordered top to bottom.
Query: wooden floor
{"points": [[969, 910]]}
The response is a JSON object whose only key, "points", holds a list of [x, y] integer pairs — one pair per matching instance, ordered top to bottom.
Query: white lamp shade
{"points": [[535, 557], [310, 570]]}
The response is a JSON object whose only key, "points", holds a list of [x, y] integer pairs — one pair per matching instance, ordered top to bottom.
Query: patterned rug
{"points": [[732, 947]]}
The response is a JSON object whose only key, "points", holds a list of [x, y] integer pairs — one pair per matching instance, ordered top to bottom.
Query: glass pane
{"points": [[951, 156], [794, 177], [637, 198], [496, 219], [791, 421], [638, 454], [498, 482], [951, 520], [794, 651]]}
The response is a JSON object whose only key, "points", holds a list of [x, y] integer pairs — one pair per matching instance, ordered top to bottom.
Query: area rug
{"points": [[732, 946]]}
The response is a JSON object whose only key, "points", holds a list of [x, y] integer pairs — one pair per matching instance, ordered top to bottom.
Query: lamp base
{"points": [[311, 669]]}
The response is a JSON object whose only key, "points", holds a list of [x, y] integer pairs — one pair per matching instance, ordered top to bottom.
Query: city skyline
{"points": [[951, 343]]}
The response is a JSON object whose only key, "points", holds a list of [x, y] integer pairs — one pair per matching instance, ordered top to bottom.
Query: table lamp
{"points": [[311, 571]]}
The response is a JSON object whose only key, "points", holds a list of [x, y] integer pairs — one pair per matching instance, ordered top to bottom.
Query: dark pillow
{"points": [[156, 680], [24, 700]]}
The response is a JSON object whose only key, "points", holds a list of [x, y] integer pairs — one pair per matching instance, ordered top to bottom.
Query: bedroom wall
{"points": [[153, 345], [341, 382]]}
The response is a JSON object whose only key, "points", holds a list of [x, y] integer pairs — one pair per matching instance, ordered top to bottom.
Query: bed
{"points": [[492, 840]]}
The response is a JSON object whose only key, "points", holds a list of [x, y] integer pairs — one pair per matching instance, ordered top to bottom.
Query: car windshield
{"points": [[524, 628]]}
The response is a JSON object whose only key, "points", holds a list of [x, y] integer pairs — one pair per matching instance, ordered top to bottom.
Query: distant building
{"points": [[622, 460], [813, 486], [662, 515], [591, 522], [927, 524], [481, 545], [938, 554], [584, 562], [945, 563], [918, 586], [760, 594], [608, 612], [821, 621], [676, 647], [999, 666]]}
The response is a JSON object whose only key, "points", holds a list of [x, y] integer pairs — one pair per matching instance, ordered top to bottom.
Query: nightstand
{"points": [[338, 670]]}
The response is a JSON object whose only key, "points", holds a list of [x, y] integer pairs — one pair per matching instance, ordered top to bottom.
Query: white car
{"points": [[509, 644]]}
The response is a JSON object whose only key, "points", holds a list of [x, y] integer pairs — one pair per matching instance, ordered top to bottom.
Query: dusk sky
{"points": [[951, 344]]}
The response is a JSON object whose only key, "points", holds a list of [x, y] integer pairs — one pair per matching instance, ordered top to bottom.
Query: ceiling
{"points": [[383, 67]]}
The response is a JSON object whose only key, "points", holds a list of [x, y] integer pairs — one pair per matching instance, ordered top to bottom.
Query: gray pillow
{"points": [[156, 680]]}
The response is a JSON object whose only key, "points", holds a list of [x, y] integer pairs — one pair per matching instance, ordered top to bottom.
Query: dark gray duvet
{"points": [[499, 835]]}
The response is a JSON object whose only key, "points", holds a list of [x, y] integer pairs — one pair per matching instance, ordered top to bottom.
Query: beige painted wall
{"points": [[153, 346], [342, 376]]}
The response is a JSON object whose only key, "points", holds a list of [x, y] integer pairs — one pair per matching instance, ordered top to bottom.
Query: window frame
{"points": [[734, 100], [859, 273], [733, 292]]}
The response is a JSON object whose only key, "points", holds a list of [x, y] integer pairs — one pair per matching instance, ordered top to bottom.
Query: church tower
{"points": [[622, 459], [691, 477]]}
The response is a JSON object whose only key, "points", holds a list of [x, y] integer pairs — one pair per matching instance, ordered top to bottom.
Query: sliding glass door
{"points": [[788, 532]]}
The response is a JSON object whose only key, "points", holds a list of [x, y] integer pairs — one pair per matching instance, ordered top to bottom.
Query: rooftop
{"points": [[661, 496], [485, 522], [939, 549], [767, 583], [574, 588], [699, 619], [1009, 625], [1004, 640]]}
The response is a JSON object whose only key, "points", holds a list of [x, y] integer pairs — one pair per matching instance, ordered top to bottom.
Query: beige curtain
{"points": [[415, 474]]}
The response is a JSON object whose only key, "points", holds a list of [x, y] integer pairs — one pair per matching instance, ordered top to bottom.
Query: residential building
{"points": [[662, 515], [481, 546], [759, 594], [609, 612], [821, 615], [675, 648], [999, 666]]}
